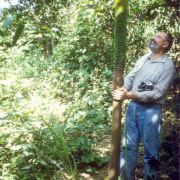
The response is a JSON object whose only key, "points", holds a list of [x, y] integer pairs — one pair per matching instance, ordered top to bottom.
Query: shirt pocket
{"points": [[155, 74]]}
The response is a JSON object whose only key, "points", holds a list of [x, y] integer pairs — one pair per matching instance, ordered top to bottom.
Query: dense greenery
{"points": [[55, 69]]}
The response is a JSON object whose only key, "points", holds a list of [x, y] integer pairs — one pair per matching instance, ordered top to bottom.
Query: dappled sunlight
{"points": [[6, 82], [45, 106], [2, 115], [155, 118], [124, 140], [122, 162]]}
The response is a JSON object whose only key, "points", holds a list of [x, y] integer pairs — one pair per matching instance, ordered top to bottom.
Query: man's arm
{"points": [[121, 94]]}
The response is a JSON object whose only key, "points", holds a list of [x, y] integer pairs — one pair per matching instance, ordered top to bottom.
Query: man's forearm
{"points": [[121, 94], [131, 95]]}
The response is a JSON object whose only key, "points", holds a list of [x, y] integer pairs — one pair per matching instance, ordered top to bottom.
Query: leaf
{"points": [[8, 21]]}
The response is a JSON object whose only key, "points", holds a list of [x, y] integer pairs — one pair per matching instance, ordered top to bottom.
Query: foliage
{"points": [[32, 143], [169, 147]]}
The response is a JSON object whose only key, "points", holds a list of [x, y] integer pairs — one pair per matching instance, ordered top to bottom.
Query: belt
{"points": [[146, 103]]}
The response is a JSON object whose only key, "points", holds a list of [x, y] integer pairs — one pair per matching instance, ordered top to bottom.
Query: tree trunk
{"points": [[120, 34], [47, 47]]}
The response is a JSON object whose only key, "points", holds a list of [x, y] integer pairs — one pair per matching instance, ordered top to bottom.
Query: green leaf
{"points": [[8, 21]]}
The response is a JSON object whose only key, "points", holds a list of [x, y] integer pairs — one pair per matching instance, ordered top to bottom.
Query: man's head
{"points": [[161, 42]]}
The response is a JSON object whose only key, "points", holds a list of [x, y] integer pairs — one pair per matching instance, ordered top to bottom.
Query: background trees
{"points": [[56, 61]]}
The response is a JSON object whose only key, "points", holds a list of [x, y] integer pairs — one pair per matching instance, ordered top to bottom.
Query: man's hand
{"points": [[119, 94]]}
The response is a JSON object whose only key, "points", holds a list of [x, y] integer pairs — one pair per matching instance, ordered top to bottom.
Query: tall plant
{"points": [[120, 34], [62, 150]]}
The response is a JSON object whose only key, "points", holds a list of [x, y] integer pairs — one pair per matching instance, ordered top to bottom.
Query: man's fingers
{"points": [[112, 86], [122, 89], [118, 91], [117, 96]]}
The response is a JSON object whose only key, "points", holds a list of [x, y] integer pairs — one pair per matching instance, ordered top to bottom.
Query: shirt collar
{"points": [[161, 59]]}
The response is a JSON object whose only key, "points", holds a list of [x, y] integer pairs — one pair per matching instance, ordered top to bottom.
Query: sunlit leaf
{"points": [[8, 21]]}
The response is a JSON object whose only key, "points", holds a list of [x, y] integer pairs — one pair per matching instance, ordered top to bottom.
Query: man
{"points": [[146, 85]]}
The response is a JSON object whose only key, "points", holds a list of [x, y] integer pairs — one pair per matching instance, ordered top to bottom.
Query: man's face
{"points": [[158, 42]]}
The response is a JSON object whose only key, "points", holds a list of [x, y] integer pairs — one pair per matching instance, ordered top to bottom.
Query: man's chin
{"points": [[154, 49]]}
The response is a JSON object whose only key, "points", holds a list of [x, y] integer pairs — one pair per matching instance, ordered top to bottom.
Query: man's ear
{"points": [[165, 45]]}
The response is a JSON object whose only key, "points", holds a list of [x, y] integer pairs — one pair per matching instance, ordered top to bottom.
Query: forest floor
{"points": [[102, 173]]}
